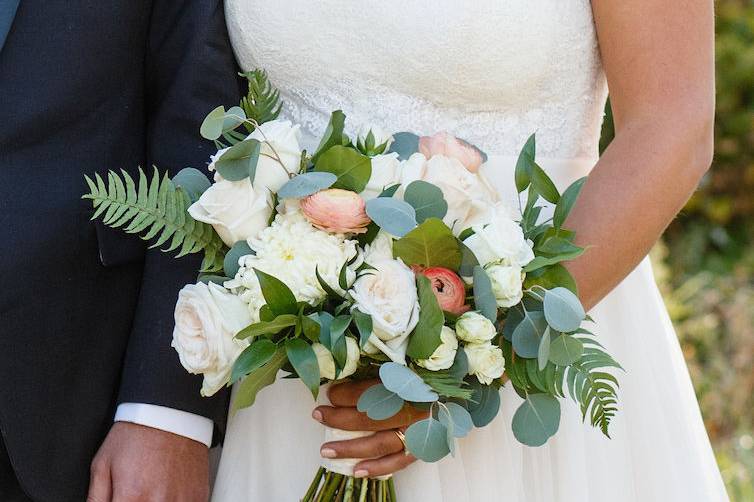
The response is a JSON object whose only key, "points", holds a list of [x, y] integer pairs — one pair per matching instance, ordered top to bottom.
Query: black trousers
{"points": [[10, 490]]}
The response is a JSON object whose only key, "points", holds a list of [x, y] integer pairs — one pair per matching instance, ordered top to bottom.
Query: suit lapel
{"points": [[7, 14]]}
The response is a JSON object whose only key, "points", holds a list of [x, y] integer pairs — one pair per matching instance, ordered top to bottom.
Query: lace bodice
{"points": [[490, 71]]}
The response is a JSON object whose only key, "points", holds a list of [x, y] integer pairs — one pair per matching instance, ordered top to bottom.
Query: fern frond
{"points": [[262, 103], [156, 209], [445, 384]]}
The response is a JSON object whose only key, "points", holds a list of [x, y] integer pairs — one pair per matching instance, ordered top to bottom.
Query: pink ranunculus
{"points": [[448, 145], [337, 211], [449, 289]]}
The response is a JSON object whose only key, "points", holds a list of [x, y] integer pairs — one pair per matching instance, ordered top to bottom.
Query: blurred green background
{"points": [[704, 263]]}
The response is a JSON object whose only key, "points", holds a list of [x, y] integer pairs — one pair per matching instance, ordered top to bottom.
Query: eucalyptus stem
{"points": [[314, 485], [324, 486], [329, 486], [391, 487], [364, 488], [380, 491], [348, 495]]}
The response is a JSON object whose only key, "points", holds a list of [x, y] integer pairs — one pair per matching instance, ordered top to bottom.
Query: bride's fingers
{"points": [[348, 393], [351, 419], [377, 445], [382, 466]]}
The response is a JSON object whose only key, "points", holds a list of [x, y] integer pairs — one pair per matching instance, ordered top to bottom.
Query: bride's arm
{"points": [[659, 61]]}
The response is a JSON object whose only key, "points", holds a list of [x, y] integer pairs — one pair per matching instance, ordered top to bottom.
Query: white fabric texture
{"points": [[491, 72], [178, 422]]}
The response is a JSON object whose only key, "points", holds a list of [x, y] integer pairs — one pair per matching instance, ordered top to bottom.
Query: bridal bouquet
{"points": [[376, 256]]}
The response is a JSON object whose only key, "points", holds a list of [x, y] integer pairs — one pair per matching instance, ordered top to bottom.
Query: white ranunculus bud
{"points": [[280, 140], [373, 140], [385, 171], [235, 209], [500, 239], [380, 249], [507, 284], [388, 294], [207, 318], [473, 327], [443, 356], [326, 361], [486, 361]]}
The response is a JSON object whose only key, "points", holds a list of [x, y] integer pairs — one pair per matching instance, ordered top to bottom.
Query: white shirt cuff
{"points": [[179, 422]]}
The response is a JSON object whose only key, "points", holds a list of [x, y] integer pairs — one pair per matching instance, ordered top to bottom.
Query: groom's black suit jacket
{"points": [[86, 314]]}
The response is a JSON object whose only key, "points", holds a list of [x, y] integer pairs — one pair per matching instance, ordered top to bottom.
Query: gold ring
{"points": [[402, 438]]}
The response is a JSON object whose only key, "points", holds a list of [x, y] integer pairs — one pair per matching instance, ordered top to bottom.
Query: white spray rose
{"points": [[280, 139], [373, 140], [385, 171], [469, 196], [235, 209], [500, 239], [507, 283], [388, 294], [207, 318], [473, 327], [443, 356], [326, 361], [486, 361]]}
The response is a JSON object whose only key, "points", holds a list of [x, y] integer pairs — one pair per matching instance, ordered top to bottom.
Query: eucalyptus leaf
{"points": [[233, 118], [212, 125], [405, 144], [239, 161], [352, 168], [193, 181], [306, 184], [389, 191], [427, 200], [566, 202], [395, 216], [431, 244], [232, 257], [468, 260], [278, 296], [484, 298], [563, 310], [513, 318], [529, 332], [426, 336], [565, 350], [543, 353], [254, 356], [304, 360], [460, 367], [258, 379], [407, 384], [379, 403], [484, 403], [456, 418], [536, 420], [427, 440]]}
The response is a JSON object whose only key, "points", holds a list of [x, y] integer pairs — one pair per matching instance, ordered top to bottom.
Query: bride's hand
{"points": [[384, 449]]}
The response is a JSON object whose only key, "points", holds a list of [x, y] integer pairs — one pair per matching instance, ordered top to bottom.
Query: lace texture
{"points": [[492, 72]]}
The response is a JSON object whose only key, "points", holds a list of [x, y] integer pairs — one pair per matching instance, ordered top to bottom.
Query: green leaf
{"points": [[333, 134], [239, 161], [524, 164], [352, 168], [193, 181], [306, 184], [543, 184], [390, 190], [426, 199], [566, 202], [395, 216], [431, 244], [544, 261], [230, 263], [551, 277], [216, 279], [325, 286], [277, 295], [484, 298], [563, 310], [363, 325], [272, 327], [310, 328], [529, 332], [426, 336], [337, 340], [565, 350], [543, 353], [254, 356], [304, 360], [460, 367], [259, 379], [407, 384], [379, 403], [484, 403], [458, 416], [536, 420], [427, 440]]}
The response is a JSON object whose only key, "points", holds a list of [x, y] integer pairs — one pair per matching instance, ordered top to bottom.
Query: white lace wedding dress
{"points": [[491, 72]]}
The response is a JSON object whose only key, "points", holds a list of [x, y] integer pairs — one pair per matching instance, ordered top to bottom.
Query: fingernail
{"points": [[317, 415], [327, 453], [361, 473]]}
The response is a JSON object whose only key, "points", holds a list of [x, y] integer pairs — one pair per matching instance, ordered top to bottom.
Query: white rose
{"points": [[280, 139], [378, 143], [385, 170], [469, 196], [235, 209], [502, 239], [507, 284], [388, 294], [207, 318], [473, 327], [443, 356], [486, 361], [327, 363]]}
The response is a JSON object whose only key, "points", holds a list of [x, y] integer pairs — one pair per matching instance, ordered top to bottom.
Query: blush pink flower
{"points": [[448, 145], [337, 211], [448, 287]]}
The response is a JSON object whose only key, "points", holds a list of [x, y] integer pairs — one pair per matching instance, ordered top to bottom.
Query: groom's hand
{"points": [[384, 449], [137, 463]]}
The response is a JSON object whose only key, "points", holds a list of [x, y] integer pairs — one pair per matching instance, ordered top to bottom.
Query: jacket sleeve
{"points": [[189, 70]]}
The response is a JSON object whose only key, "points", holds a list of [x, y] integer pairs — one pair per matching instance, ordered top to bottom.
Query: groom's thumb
{"points": [[100, 482]]}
